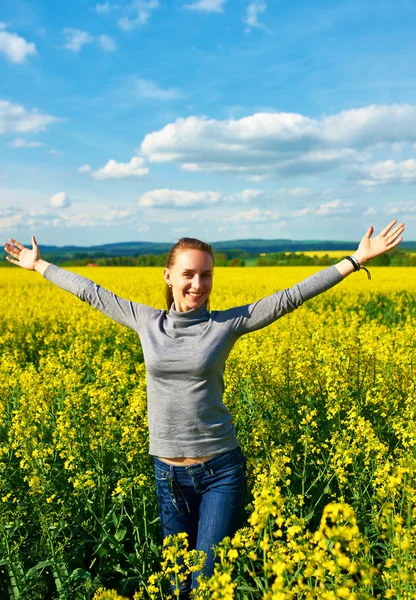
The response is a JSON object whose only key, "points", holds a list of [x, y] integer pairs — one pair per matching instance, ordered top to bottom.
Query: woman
{"points": [[199, 466]]}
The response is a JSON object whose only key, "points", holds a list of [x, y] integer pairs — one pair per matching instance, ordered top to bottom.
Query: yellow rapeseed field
{"points": [[324, 405]]}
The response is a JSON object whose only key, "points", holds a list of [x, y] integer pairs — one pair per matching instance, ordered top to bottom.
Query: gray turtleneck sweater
{"points": [[185, 354]]}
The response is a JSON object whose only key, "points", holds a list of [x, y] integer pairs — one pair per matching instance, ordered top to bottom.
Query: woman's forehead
{"points": [[194, 260]]}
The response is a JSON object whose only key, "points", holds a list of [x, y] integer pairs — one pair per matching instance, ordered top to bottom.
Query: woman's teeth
{"points": [[195, 295]]}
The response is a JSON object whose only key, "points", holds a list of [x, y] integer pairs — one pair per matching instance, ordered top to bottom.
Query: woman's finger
{"points": [[388, 227], [369, 233], [394, 234], [395, 243], [18, 244], [9, 249], [13, 253], [15, 262]]}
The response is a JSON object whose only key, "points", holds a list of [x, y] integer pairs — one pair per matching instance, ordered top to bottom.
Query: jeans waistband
{"points": [[215, 461]]}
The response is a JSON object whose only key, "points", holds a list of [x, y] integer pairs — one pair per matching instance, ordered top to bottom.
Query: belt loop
{"points": [[208, 470], [172, 483]]}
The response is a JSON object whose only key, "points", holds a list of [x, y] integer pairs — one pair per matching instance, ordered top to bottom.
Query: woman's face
{"points": [[190, 278]]}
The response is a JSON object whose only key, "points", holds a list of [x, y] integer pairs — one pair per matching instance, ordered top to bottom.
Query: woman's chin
{"points": [[195, 302]]}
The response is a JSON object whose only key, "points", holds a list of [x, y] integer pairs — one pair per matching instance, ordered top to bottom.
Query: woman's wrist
{"points": [[359, 257], [40, 266]]}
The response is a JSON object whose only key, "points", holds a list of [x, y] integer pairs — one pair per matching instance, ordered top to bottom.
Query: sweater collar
{"points": [[188, 317]]}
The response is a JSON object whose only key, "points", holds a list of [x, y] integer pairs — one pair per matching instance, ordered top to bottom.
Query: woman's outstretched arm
{"points": [[370, 248], [125, 312], [256, 315]]}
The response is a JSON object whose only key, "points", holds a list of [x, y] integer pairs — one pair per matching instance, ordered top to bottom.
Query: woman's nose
{"points": [[196, 282]]}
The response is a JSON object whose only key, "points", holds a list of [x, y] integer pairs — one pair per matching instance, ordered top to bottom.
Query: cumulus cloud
{"points": [[207, 6], [102, 9], [141, 10], [253, 11], [76, 39], [107, 43], [15, 47], [148, 89], [16, 119], [22, 143], [279, 143], [84, 168], [114, 170], [389, 171], [294, 192], [167, 198], [60, 200], [406, 207], [333, 208], [119, 214], [254, 215], [12, 218]]}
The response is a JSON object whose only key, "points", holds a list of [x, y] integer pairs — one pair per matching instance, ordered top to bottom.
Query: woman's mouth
{"points": [[195, 294]]}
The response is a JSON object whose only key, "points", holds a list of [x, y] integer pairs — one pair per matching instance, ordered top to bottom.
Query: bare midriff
{"points": [[180, 461]]}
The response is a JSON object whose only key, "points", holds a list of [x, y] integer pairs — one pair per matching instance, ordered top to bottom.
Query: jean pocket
{"points": [[236, 467], [161, 474]]}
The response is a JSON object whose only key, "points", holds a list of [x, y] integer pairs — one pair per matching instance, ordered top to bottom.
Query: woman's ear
{"points": [[166, 276]]}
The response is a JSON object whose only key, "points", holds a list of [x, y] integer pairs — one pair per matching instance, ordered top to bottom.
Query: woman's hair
{"points": [[185, 243]]}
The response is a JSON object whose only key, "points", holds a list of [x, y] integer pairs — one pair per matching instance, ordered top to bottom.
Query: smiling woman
{"points": [[188, 274], [199, 465]]}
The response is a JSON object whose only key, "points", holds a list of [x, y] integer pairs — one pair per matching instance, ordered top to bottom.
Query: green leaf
{"points": [[115, 520], [120, 534], [40, 565]]}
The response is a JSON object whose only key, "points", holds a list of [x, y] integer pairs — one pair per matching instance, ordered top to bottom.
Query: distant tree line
{"points": [[230, 258], [395, 258]]}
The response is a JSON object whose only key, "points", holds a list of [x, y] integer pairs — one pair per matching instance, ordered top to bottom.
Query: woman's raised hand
{"points": [[387, 239], [23, 256]]}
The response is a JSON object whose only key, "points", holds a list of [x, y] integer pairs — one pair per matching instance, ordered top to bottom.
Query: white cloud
{"points": [[207, 6], [103, 9], [142, 11], [253, 11], [76, 39], [107, 43], [15, 47], [148, 89], [16, 119], [371, 125], [21, 143], [270, 143], [55, 152], [84, 168], [114, 170], [389, 171], [294, 192], [167, 198], [60, 200], [405, 207], [333, 208], [325, 209], [371, 211], [118, 215], [254, 216], [82, 220]]}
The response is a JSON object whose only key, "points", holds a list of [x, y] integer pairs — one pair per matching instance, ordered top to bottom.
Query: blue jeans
{"points": [[205, 500]]}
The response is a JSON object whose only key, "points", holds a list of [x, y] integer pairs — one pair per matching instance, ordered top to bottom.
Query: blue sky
{"points": [[218, 119]]}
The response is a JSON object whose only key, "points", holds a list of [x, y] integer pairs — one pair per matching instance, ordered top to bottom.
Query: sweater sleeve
{"points": [[124, 312], [251, 317]]}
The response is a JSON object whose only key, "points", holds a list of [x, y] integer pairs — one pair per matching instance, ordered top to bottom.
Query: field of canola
{"points": [[324, 405]]}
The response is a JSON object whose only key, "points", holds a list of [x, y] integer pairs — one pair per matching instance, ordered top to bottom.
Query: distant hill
{"points": [[252, 246]]}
